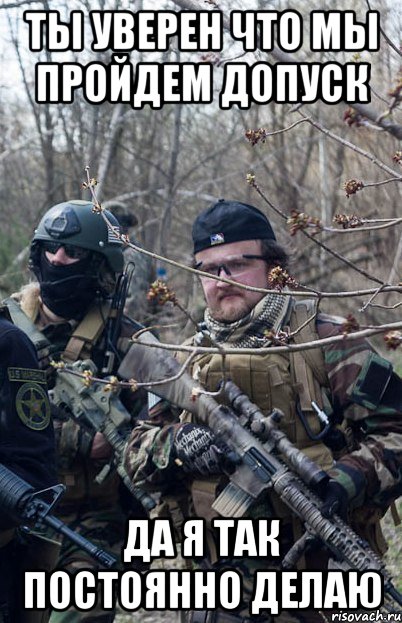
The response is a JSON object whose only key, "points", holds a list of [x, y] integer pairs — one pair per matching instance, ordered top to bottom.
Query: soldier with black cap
{"points": [[78, 259], [361, 448]]}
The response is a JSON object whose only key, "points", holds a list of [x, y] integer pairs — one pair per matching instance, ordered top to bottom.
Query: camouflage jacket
{"points": [[369, 463]]}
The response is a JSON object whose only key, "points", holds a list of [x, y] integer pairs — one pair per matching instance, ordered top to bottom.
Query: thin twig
{"points": [[373, 159], [390, 179], [335, 230], [313, 239], [200, 273], [386, 306], [364, 307], [202, 350]]}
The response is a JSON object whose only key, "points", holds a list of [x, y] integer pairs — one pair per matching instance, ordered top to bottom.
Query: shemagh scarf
{"points": [[250, 331]]}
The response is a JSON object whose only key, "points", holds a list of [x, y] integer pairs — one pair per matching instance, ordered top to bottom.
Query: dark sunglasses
{"points": [[73, 252]]}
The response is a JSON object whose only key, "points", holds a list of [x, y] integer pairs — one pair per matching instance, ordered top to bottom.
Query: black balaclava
{"points": [[68, 290]]}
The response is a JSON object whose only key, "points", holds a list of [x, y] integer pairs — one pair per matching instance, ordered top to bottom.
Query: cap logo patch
{"points": [[217, 239]]}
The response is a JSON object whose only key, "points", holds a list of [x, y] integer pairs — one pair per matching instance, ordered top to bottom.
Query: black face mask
{"points": [[67, 290]]}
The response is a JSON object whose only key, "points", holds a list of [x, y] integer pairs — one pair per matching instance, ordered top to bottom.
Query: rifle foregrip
{"points": [[13, 491]]}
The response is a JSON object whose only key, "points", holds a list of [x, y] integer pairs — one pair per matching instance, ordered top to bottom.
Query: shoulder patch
{"points": [[26, 374], [33, 406]]}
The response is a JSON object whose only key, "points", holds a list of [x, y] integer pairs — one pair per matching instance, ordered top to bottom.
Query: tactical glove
{"points": [[200, 453], [346, 487], [335, 500]]}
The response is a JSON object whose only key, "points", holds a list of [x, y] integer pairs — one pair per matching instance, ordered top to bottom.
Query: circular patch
{"points": [[33, 406]]}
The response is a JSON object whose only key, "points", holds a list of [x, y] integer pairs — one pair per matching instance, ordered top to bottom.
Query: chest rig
{"points": [[68, 342], [286, 381]]}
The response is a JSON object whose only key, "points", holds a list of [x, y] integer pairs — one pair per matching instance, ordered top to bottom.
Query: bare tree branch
{"points": [[15, 5], [366, 110], [355, 335]]}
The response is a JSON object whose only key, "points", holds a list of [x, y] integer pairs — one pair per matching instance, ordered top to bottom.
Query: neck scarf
{"points": [[250, 331]]}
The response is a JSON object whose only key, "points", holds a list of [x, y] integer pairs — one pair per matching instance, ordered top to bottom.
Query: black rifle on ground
{"points": [[97, 407], [257, 440], [25, 506]]}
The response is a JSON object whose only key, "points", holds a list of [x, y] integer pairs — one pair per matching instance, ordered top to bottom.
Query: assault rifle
{"points": [[115, 316], [98, 408], [257, 440], [24, 505]]}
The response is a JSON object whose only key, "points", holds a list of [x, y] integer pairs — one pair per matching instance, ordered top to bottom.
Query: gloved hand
{"points": [[200, 452], [346, 487], [335, 500]]}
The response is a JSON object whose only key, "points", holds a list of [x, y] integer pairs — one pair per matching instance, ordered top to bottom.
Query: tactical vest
{"points": [[276, 380], [279, 380], [270, 382]]}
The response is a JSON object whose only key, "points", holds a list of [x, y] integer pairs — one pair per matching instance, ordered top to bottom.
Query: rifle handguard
{"points": [[101, 410], [266, 429]]}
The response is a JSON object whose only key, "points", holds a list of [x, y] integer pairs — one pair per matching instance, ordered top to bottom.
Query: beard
{"points": [[232, 306]]}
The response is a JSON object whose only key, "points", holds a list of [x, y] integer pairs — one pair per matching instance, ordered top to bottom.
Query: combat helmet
{"points": [[75, 223]]}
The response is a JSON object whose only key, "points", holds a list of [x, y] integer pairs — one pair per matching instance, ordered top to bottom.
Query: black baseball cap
{"points": [[230, 221]]}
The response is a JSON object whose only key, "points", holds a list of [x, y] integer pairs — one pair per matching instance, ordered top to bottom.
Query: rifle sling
{"points": [[301, 312], [21, 320], [87, 332]]}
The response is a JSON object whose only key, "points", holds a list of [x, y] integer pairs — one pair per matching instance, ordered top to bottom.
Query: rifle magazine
{"points": [[232, 502]]}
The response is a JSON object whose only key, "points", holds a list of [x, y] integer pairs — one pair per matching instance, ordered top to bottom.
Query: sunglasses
{"points": [[73, 252]]}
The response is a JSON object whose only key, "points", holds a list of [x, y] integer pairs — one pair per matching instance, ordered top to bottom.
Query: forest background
{"points": [[166, 165]]}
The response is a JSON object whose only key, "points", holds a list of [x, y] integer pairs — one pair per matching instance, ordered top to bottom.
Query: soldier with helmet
{"points": [[78, 260]]}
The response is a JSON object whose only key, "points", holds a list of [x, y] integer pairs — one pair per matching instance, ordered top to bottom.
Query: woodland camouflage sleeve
{"points": [[148, 454], [373, 471]]}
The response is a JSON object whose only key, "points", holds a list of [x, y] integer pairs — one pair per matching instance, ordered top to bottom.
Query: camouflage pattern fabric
{"points": [[369, 465], [372, 472]]}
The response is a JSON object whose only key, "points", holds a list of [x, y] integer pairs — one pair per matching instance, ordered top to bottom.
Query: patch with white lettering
{"points": [[26, 374]]}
